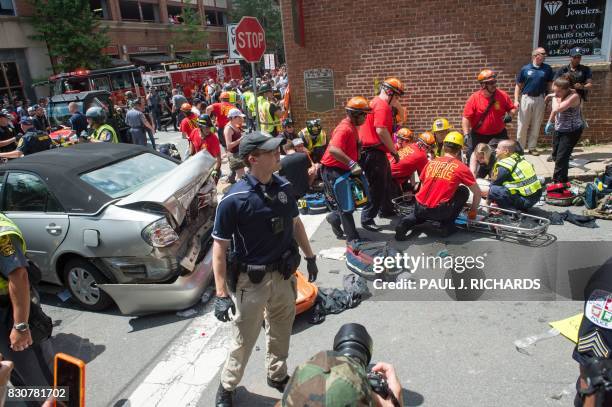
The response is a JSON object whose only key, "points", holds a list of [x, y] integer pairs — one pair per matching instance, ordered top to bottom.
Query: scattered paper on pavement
{"points": [[334, 253], [569, 327]]}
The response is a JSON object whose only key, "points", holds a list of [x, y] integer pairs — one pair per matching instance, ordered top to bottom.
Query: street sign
{"points": [[250, 39], [231, 42], [269, 61], [319, 86]]}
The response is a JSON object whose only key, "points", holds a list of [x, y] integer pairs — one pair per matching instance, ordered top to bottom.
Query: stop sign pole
{"points": [[251, 44]]}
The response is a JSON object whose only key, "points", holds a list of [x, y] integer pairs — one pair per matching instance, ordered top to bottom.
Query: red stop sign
{"points": [[250, 39]]}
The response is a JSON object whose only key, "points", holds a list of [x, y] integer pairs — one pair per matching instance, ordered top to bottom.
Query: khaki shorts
{"points": [[235, 162]]}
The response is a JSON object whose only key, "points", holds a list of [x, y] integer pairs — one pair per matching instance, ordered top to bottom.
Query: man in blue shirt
{"points": [[532, 84], [78, 121], [259, 216]]}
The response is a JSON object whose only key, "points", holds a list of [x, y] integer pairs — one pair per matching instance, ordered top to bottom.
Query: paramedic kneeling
{"points": [[515, 184], [441, 198]]}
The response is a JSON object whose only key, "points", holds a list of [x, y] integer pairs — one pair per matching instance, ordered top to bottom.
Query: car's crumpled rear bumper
{"points": [[137, 299]]}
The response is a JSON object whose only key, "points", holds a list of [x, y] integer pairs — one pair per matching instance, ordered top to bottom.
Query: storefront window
{"points": [[7, 8], [563, 25], [10, 84]]}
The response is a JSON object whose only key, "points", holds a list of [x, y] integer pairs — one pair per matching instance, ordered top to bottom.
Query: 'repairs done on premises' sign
{"points": [[565, 24], [319, 87]]}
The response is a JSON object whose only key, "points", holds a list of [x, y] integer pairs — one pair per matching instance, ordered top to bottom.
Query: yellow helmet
{"points": [[441, 124], [454, 137]]}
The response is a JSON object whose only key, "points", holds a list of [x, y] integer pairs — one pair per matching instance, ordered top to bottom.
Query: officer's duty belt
{"points": [[269, 268]]}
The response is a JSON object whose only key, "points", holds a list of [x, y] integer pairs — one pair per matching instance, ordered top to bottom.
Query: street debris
{"points": [[334, 253], [64, 295], [187, 313], [524, 343]]}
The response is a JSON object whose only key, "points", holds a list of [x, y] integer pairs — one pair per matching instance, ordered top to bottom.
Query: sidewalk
{"points": [[601, 154]]}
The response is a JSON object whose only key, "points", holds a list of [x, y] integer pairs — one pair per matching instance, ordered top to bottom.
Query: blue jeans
{"points": [[505, 200]]}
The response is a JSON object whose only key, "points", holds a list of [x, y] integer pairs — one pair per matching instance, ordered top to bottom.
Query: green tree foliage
{"points": [[269, 16], [72, 32], [191, 32]]}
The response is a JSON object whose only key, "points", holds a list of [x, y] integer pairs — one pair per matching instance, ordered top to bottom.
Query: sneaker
{"points": [[371, 226], [278, 385], [224, 397]]}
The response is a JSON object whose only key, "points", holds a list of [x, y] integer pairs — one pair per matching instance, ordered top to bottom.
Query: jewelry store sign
{"points": [[566, 24]]}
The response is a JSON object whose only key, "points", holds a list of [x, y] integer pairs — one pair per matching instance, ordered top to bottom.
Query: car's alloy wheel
{"points": [[82, 279]]}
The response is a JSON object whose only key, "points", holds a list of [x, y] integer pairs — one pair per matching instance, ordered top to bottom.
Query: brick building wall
{"points": [[435, 47]]}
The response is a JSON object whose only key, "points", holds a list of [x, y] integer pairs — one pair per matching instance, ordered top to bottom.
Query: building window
{"points": [[215, 3], [7, 8], [99, 8], [138, 11], [215, 18], [561, 26], [10, 83]]}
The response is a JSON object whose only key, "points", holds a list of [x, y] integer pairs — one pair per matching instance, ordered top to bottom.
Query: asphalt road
{"points": [[447, 352]]}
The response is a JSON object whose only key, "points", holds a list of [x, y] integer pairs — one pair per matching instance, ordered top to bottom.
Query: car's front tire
{"points": [[82, 279]]}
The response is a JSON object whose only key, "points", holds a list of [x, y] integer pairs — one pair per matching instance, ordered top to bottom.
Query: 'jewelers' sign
{"points": [[565, 24]]}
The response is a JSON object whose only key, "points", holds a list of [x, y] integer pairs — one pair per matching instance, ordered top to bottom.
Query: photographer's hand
{"points": [[388, 371]]}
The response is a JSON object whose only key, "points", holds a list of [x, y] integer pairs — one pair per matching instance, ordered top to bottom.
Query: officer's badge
{"points": [[20, 142], [282, 197], [6, 246], [598, 309], [593, 343]]}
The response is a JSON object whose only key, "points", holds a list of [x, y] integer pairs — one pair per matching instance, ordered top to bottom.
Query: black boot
{"points": [[336, 225], [371, 226], [402, 229], [278, 385], [224, 397]]}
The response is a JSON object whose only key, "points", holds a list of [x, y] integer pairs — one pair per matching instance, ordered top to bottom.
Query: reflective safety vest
{"points": [[232, 96], [249, 100], [268, 123], [98, 133], [311, 141], [524, 178], [8, 228]]}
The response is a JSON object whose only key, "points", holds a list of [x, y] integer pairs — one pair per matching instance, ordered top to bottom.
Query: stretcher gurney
{"points": [[490, 220], [504, 223]]}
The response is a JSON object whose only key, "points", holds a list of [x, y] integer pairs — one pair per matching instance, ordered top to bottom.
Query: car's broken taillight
{"points": [[159, 233]]}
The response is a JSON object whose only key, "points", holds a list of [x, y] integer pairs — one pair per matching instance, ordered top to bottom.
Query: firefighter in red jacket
{"points": [[375, 136], [342, 156], [413, 158]]}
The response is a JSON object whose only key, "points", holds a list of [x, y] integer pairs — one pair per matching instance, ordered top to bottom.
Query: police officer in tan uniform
{"points": [[259, 214]]}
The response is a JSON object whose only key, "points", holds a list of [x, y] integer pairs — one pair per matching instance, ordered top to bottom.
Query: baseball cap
{"points": [[575, 52], [4, 113], [234, 113], [27, 121], [258, 140], [297, 141], [328, 379]]}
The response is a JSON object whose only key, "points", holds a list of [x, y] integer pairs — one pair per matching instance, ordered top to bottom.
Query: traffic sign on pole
{"points": [[250, 39], [251, 44]]}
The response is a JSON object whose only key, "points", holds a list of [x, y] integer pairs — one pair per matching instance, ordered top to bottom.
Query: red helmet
{"points": [[486, 75], [224, 96], [185, 107], [405, 134], [427, 138]]}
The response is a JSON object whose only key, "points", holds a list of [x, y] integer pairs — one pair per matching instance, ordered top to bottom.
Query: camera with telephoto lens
{"points": [[354, 341]]}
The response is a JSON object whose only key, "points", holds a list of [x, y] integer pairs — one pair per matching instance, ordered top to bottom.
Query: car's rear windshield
{"points": [[124, 177]]}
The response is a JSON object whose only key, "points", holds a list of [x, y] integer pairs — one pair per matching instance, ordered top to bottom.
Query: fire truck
{"points": [[190, 75], [117, 81]]}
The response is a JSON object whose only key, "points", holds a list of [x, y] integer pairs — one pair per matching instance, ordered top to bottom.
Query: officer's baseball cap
{"points": [[576, 52], [4, 113], [27, 121], [258, 141], [328, 379]]}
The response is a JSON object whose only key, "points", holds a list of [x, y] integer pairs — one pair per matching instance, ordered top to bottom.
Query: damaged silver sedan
{"points": [[116, 223]]}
